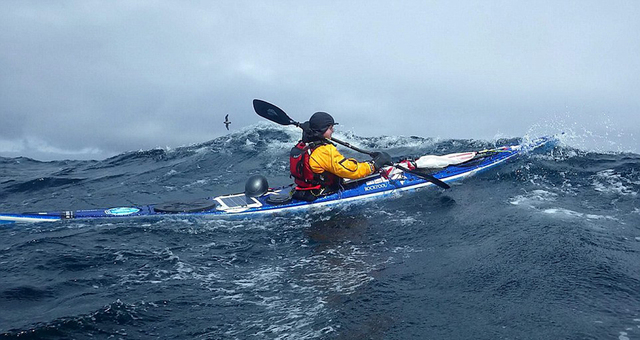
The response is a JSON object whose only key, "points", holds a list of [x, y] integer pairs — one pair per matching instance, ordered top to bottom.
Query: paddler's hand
{"points": [[381, 159]]}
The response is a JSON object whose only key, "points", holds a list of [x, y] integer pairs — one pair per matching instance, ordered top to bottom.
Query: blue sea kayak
{"points": [[278, 200]]}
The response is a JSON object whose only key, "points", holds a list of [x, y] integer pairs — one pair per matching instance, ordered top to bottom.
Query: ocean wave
{"points": [[222, 165], [106, 321]]}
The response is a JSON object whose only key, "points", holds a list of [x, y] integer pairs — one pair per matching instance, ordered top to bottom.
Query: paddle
{"points": [[277, 115]]}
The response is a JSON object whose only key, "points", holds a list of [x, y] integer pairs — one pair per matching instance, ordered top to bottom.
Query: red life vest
{"points": [[301, 172]]}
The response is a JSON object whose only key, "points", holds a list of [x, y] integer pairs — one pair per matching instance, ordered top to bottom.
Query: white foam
{"points": [[607, 138], [385, 142], [171, 173], [608, 181], [198, 183], [533, 197], [542, 199], [575, 214], [404, 221], [260, 277], [282, 316]]}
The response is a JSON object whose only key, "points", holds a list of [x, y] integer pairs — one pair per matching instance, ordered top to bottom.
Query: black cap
{"points": [[320, 121]]}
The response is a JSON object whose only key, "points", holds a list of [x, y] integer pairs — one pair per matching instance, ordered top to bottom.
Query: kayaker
{"points": [[318, 168]]}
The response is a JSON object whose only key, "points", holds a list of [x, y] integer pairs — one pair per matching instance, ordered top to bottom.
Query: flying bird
{"points": [[226, 121]]}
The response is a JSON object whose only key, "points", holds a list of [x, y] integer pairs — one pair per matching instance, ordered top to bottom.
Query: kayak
{"points": [[279, 200]]}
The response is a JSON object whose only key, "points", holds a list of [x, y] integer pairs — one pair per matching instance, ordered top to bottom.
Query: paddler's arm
{"points": [[328, 158]]}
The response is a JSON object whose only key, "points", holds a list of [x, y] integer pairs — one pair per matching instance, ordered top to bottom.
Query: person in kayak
{"points": [[318, 168]]}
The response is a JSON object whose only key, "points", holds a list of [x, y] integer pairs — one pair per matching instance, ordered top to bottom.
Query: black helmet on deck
{"points": [[256, 185]]}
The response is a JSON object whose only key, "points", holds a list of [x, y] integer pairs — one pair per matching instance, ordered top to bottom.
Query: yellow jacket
{"points": [[327, 158]]}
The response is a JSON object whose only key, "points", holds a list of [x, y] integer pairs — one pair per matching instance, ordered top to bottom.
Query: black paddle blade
{"points": [[272, 113], [427, 177]]}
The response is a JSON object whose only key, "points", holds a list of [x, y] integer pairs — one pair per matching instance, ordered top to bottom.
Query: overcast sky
{"points": [[90, 79]]}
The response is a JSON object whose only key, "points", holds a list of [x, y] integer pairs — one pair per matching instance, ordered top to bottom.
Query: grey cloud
{"points": [[119, 75]]}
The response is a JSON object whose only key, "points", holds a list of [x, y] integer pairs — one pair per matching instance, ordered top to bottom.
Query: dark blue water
{"points": [[544, 247]]}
